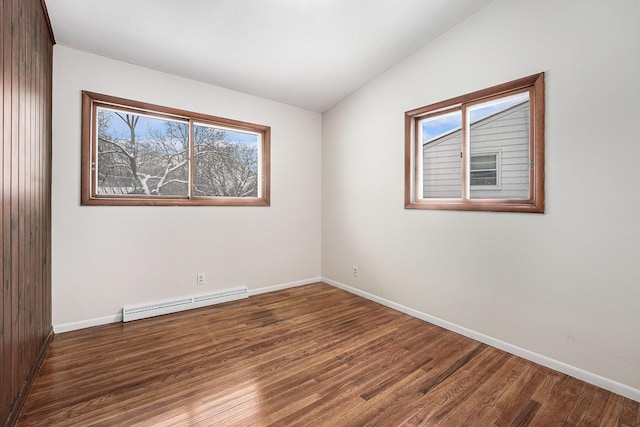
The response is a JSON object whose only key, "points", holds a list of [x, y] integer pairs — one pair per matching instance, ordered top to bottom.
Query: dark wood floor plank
{"points": [[278, 352], [308, 356], [376, 370], [285, 390], [486, 395], [408, 396], [445, 398], [583, 401], [560, 402], [507, 403], [326, 405], [523, 405], [630, 413], [526, 414], [592, 415], [611, 416]]}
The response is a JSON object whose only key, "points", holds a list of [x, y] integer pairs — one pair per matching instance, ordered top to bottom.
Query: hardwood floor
{"points": [[312, 355]]}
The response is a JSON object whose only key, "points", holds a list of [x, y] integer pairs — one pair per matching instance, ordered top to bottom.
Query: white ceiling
{"points": [[308, 53]]}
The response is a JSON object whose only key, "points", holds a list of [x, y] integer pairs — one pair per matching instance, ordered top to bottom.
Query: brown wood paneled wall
{"points": [[26, 49]]}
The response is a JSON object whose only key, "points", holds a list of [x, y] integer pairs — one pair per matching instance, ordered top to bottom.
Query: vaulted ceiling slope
{"points": [[307, 53]]}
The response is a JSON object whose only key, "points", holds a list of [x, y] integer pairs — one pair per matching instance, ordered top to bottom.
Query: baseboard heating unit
{"points": [[141, 311]]}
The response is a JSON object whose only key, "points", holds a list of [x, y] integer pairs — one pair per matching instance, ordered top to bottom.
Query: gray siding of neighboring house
{"points": [[505, 133], [442, 167]]}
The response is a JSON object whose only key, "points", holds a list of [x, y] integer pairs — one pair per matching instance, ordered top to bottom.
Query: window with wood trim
{"points": [[480, 151], [134, 153]]}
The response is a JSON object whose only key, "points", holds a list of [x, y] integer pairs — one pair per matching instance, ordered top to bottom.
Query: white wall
{"points": [[107, 257], [564, 285]]}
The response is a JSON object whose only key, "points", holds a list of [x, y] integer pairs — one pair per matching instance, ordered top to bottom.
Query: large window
{"points": [[480, 151], [141, 154]]}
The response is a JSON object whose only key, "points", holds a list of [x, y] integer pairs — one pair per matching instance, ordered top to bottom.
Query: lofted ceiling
{"points": [[307, 53]]}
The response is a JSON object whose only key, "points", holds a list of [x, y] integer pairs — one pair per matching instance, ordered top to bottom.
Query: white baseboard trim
{"points": [[282, 286], [82, 324], [605, 383]]}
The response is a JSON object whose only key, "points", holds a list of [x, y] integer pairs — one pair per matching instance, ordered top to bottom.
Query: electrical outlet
{"points": [[355, 271], [200, 279]]}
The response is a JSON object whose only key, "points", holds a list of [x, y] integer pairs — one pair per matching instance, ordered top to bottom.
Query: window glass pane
{"points": [[500, 126], [441, 138], [139, 154], [226, 162]]}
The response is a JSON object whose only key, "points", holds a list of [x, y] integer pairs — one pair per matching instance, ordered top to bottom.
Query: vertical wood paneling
{"points": [[26, 49], [4, 397]]}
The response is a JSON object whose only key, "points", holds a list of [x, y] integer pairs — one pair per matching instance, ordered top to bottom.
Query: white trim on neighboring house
{"points": [[498, 185], [597, 380]]}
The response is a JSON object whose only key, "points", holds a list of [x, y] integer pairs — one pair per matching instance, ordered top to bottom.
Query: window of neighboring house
{"points": [[480, 151], [135, 153], [483, 170]]}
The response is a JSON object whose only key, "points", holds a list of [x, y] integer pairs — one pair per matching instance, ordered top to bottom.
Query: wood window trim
{"points": [[90, 102], [536, 201]]}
